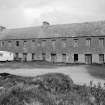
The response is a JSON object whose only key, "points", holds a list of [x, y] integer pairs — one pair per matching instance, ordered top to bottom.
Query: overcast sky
{"points": [[24, 13]]}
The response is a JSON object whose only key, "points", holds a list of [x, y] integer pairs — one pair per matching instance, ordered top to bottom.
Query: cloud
{"points": [[33, 12]]}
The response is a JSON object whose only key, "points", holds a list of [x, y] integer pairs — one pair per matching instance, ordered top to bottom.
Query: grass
{"points": [[96, 70], [48, 89], [27, 91]]}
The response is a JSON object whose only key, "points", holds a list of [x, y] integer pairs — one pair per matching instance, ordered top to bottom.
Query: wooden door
{"points": [[88, 58]]}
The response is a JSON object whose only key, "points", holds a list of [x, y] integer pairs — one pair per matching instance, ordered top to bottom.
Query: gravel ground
{"points": [[78, 73]]}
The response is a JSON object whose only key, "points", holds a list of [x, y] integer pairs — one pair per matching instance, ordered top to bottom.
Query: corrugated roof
{"points": [[64, 30]]}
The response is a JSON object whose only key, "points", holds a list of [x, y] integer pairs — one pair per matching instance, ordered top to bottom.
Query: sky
{"points": [[26, 13]]}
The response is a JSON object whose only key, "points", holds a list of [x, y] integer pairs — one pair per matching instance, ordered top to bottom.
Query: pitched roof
{"points": [[63, 30]]}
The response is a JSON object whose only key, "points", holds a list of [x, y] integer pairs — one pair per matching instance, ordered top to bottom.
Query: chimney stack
{"points": [[46, 24], [2, 28]]}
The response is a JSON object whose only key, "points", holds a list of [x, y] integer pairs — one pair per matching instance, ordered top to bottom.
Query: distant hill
{"points": [[61, 30]]}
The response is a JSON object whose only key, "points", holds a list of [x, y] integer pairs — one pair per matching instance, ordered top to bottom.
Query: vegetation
{"points": [[96, 70], [48, 89]]}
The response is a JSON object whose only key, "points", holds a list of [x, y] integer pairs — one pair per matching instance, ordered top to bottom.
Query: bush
{"points": [[49, 89]]}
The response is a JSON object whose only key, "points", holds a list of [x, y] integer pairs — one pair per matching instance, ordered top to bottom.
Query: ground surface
{"points": [[79, 73]]}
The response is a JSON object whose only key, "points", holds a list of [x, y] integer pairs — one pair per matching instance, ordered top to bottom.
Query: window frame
{"points": [[75, 42], [88, 42], [101, 42], [2, 43], [10, 43], [17, 43], [25, 43], [43, 43], [53, 43], [64, 43], [101, 58]]}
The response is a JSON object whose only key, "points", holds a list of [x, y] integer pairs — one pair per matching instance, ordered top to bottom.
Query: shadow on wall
{"points": [[96, 70]]}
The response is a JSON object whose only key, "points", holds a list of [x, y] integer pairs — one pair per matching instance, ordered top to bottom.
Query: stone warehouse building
{"points": [[67, 43]]}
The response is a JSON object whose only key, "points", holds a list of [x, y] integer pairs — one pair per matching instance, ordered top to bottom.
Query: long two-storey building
{"points": [[67, 43]]}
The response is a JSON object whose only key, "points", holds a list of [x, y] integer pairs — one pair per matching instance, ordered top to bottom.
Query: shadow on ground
{"points": [[28, 65], [32, 65], [96, 70]]}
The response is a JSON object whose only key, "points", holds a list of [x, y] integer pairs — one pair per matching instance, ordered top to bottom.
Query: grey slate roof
{"points": [[63, 30]]}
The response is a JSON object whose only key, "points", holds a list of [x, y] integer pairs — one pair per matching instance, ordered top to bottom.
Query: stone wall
{"points": [[69, 49]]}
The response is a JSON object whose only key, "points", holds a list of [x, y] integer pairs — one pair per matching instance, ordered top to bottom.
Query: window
{"points": [[75, 42], [88, 42], [101, 42], [2, 43], [9, 43], [17, 43], [25, 43], [33, 43], [43, 43], [53, 43], [63, 43], [39, 44], [16, 56], [33, 56], [44, 56], [25, 57], [53, 57], [64, 57], [75, 57], [101, 58]]}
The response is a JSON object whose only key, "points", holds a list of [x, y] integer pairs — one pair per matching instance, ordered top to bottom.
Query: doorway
{"points": [[33, 56], [24, 57], [53, 57], [75, 58], [88, 58]]}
